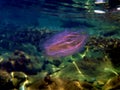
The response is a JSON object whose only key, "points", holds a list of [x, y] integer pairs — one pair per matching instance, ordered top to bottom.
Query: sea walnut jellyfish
{"points": [[65, 43]]}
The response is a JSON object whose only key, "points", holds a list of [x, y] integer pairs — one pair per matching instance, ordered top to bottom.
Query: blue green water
{"points": [[60, 14]]}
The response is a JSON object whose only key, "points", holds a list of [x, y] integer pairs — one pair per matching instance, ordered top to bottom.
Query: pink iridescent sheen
{"points": [[64, 44]]}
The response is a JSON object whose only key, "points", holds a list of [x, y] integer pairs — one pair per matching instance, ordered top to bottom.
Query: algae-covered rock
{"points": [[5, 80]]}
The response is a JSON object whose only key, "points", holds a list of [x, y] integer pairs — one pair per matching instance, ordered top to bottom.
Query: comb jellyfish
{"points": [[65, 44]]}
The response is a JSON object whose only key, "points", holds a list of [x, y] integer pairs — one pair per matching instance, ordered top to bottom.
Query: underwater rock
{"points": [[12, 40], [113, 50], [20, 61], [93, 68], [18, 78], [5, 80], [51, 83], [112, 84]]}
